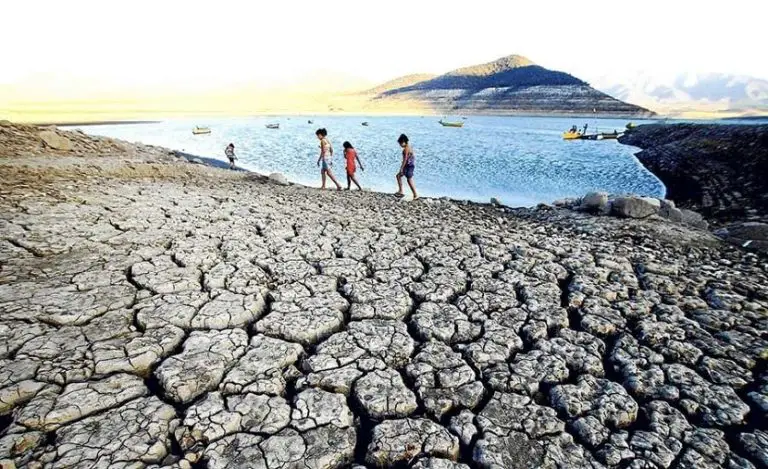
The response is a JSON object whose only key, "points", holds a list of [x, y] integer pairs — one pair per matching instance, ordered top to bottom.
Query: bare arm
{"points": [[357, 157]]}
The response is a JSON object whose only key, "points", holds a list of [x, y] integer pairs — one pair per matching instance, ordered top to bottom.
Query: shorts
{"points": [[325, 166], [408, 171]]}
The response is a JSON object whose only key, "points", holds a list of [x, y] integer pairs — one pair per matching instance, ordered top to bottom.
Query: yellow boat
{"points": [[451, 124], [201, 130], [571, 135]]}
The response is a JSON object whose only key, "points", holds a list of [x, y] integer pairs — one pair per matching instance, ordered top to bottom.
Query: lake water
{"points": [[520, 160]]}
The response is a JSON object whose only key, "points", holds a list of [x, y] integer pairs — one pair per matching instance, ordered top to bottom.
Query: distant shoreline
{"points": [[87, 123]]}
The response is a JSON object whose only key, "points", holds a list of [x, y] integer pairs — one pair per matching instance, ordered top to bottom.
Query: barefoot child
{"points": [[230, 152], [350, 155], [326, 157], [406, 167]]}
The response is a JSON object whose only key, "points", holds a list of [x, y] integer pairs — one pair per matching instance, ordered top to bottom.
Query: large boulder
{"points": [[53, 140], [596, 202], [636, 207], [694, 219], [752, 235]]}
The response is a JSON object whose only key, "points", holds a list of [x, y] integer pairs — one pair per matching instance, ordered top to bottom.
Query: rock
{"points": [[55, 141], [197, 161], [279, 178], [495, 201], [595, 202], [635, 207], [670, 212], [691, 218], [753, 235], [374, 300], [305, 320], [445, 323], [366, 346], [201, 366], [261, 369], [527, 372], [443, 380], [383, 394], [597, 406], [316, 408], [50, 410], [506, 413], [215, 417], [463, 425], [137, 431], [399, 441], [756, 446], [511, 450], [438, 463]]}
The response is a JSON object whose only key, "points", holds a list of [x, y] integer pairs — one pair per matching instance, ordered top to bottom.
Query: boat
{"points": [[309, 122], [364, 124], [451, 124], [273, 126], [630, 126], [201, 130], [570, 135], [609, 135], [589, 137]]}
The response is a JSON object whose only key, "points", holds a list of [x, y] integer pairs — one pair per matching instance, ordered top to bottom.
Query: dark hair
{"points": [[322, 132], [402, 139], [231, 145], [347, 145]]}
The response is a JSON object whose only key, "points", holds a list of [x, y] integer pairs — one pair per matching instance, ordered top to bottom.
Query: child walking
{"points": [[230, 152], [350, 155], [325, 160], [407, 167]]}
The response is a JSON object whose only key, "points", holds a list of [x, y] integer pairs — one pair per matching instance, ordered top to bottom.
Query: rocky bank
{"points": [[720, 171], [156, 313]]}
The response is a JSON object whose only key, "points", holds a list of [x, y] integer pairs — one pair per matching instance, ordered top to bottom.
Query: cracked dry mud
{"points": [[221, 321]]}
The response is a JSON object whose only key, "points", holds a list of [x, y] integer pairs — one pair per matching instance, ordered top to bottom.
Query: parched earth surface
{"points": [[178, 316]]}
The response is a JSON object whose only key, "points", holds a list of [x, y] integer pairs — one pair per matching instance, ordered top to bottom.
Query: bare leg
{"points": [[330, 175], [322, 177], [399, 178], [354, 179], [349, 181], [413, 188]]}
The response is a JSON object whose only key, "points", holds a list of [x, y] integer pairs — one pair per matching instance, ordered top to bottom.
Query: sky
{"points": [[195, 45]]}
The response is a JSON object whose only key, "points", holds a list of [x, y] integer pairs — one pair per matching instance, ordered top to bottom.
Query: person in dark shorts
{"points": [[230, 152], [407, 167]]}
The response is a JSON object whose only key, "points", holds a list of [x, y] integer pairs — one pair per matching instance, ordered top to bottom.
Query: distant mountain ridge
{"points": [[509, 85], [689, 92]]}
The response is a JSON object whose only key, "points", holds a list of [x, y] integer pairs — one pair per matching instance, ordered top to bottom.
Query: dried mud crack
{"points": [[191, 317]]}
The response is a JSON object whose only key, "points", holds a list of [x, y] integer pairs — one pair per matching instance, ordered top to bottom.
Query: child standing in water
{"points": [[350, 155], [326, 157], [407, 167]]}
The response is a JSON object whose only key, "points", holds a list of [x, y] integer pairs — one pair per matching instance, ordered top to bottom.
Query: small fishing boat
{"points": [[309, 122], [364, 124], [451, 124], [273, 126], [630, 126], [201, 130], [570, 135], [609, 135], [589, 137]]}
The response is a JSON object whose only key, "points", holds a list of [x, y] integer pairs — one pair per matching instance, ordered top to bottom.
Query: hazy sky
{"points": [[191, 44]]}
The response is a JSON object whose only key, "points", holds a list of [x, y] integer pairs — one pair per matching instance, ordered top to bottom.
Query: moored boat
{"points": [[364, 124], [451, 124], [273, 126], [201, 130], [571, 135], [609, 135]]}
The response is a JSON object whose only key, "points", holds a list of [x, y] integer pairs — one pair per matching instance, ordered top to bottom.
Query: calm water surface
{"points": [[520, 160]]}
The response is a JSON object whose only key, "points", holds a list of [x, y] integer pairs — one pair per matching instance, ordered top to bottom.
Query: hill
{"points": [[400, 82], [510, 85]]}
